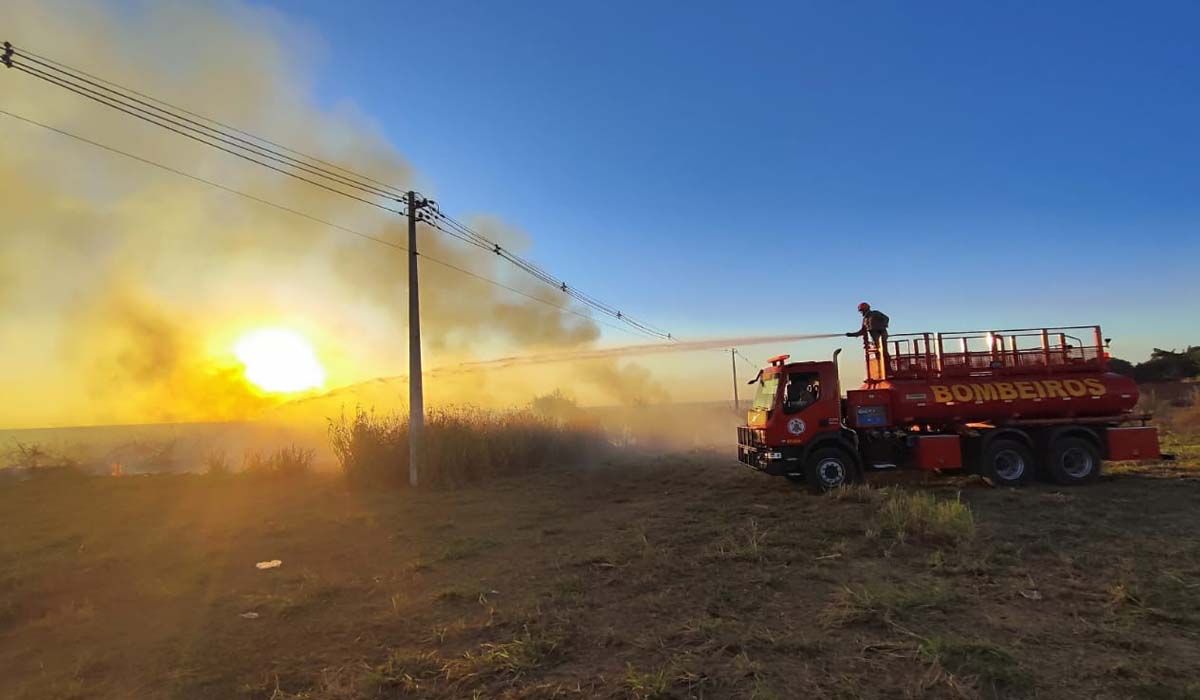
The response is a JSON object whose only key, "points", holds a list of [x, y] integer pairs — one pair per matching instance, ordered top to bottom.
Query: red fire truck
{"points": [[1006, 404]]}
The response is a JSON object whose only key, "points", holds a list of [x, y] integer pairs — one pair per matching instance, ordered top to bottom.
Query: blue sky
{"points": [[718, 169]]}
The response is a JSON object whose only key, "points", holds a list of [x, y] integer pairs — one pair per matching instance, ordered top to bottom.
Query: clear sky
{"points": [[764, 167]]}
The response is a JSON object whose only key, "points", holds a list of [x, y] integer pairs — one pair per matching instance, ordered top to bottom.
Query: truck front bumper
{"points": [[772, 460]]}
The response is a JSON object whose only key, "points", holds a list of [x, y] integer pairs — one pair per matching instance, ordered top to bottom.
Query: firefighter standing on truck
{"points": [[874, 326]]}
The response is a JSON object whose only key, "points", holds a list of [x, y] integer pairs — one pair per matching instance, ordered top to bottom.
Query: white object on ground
{"points": [[273, 564], [249, 615]]}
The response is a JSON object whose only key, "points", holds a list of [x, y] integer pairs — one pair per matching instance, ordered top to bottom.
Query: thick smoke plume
{"points": [[122, 287]]}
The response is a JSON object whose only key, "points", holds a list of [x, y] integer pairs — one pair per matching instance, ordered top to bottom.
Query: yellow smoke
{"points": [[122, 286]]}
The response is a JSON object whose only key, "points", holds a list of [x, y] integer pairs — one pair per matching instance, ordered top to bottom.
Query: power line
{"points": [[149, 109], [171, 126], [328, 176], [394, 190], [305, 215], [465, 233], [745, 359]]}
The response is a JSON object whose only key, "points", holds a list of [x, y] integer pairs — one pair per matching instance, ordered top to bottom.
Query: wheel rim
{"points": [[1077, 462], [1009, 465], [831, 472]]}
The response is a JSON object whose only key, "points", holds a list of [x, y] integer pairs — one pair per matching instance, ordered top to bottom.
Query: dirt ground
{"points": [[656, 577]]}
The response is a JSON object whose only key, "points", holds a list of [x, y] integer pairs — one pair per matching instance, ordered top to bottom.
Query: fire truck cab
{"points": [[794, 427]]}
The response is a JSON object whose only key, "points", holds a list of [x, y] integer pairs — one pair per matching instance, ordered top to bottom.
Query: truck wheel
{"points": [[1074, 460], [1006, 462], [827, 469]]}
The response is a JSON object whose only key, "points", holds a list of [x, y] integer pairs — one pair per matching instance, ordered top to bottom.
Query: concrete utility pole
{"points": [[733, 361], [416, 395]]}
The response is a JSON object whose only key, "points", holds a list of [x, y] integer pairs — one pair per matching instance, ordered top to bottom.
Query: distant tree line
{"points": [[1163, 365]]}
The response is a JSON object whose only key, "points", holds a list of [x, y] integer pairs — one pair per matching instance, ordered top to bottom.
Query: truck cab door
{"points": [[809, 405]]}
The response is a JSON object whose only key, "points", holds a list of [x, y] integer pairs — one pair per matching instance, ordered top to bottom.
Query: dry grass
{"points": [[1187, 419], [462, 445], [290, 461], [216, 463], [921, 515], [747, 543], [670, 577], [888, 603], [526, 653], [993, 670], [648, 685]]}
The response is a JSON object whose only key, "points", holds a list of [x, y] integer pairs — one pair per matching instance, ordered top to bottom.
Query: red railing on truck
{"points": [[1020, 351]]}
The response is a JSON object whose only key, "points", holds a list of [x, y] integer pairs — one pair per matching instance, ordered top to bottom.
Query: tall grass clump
{"points": [[1186, 420], [461, 444], [288, 461], [216, 463], [921, 515]]}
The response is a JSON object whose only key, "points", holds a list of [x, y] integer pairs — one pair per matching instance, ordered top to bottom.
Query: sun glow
{"points": [[279, 360]]}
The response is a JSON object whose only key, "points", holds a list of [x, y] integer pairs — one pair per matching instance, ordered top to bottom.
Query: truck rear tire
{"points": [[1073, 460], [1006, 462], [827, 469]]}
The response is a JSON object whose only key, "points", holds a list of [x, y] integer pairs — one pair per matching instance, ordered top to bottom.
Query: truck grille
{"points": [[754, 437], [751, 442]]}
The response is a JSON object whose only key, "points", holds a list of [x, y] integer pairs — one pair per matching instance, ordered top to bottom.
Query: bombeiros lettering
{"points": [[1024, 390]]}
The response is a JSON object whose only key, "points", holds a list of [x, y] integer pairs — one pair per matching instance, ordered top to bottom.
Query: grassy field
{"points": [[656, 577]]}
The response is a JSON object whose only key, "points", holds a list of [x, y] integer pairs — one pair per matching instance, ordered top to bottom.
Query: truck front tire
{"points": [[1073, 460], [1006, 462], [827, 469]]}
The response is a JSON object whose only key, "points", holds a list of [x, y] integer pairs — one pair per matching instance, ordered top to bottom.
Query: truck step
{"points": [[883, 465]]}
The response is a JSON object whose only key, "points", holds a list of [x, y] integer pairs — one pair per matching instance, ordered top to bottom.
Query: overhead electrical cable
{"points": [[182, 130], [225, 131], [243, 156], [333, 178], [310, 217], [465, 233], [745, 359]]}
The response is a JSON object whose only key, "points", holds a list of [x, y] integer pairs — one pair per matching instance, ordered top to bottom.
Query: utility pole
{"points": [[733, 362], [416, 395]]}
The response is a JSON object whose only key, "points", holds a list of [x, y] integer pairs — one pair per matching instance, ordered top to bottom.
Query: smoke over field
{"points": [[123, 287]]}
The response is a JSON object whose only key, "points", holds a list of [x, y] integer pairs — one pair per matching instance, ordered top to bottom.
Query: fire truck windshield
{"points": [[764, 400]]}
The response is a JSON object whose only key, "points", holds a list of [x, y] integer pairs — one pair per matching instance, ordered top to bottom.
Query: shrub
{"points": [[461, 444], [370, 448], [32, 455], [288, 461], [216, 463], [922, 515]]}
